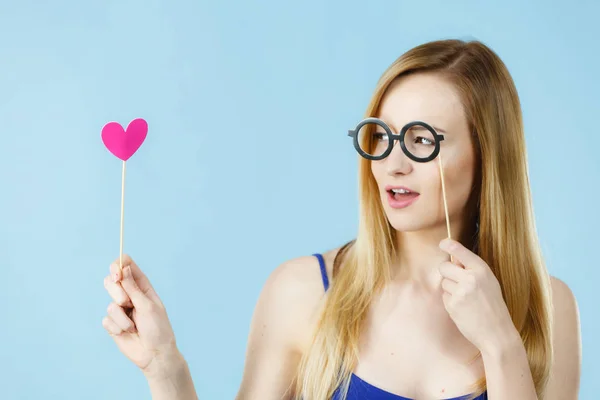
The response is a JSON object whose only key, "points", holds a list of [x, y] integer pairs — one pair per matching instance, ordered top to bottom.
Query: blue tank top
{"points": [[361, 390]]}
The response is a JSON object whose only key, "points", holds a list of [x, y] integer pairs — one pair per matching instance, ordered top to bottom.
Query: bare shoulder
{"points": [[300, 278], [296, 279], [562, 292], [294, 294], [566, 310], [281, 328], [566, 370]]}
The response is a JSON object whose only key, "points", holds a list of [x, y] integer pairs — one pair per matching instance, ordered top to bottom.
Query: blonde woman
{"points": [[390, 316]]}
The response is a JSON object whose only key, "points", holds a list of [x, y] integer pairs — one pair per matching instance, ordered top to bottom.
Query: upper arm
{"points": [[280, 324], [565, 373]]}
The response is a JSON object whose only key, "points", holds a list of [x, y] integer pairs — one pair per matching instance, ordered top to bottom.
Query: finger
{"points": [[461, 254], [456, 262], [452, 271], [115, 272], [140, 278], [449, 286], [131, 287], [116, 292], [118, 316], [110, 326]]}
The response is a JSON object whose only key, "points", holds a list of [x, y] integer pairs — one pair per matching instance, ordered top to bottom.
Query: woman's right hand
{"points": [[138, 322]]}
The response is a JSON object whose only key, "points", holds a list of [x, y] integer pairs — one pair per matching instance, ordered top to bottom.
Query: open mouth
{"points": [[402, 193], [400, 197]]}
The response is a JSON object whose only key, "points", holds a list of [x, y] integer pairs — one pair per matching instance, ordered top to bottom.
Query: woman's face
{"points": [[429, 98]]}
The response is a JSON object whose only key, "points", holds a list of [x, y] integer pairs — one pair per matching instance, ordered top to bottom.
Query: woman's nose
{"points": [[397, 163]]}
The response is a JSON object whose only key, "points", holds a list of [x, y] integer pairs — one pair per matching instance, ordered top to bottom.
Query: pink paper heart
{"points": [[124, 143]]}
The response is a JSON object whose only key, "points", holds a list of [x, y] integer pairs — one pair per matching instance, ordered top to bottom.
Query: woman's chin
{"points": [[415, 223], [407, 225]]}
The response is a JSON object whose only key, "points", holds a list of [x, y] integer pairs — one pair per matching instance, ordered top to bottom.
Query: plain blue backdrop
{"points": [[246, 164]]}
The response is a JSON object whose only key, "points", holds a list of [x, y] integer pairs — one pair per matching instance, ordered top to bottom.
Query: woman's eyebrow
{"points": [[417, 127], [393, 128]]}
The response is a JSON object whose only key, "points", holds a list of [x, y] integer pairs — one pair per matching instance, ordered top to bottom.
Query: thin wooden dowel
{"points": [[445, 201], [122, 214]]}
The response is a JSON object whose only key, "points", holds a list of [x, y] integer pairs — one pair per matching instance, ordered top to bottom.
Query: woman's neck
{"points": [[419, 254]]}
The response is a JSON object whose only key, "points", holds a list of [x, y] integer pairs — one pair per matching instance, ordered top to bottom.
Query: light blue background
{"points": [[247, 163]]}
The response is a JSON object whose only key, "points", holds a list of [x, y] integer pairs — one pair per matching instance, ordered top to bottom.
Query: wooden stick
{"points": [[445, 201], [122, 213]]}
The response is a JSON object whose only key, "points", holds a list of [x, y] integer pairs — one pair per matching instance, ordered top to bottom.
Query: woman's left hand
{"points": [[473, 299]]}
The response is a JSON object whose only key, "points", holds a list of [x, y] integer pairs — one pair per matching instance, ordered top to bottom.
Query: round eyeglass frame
{"points": [[353, 133]]}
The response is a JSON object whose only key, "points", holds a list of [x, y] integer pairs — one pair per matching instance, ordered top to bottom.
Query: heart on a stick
{"points": [[123, 143]]}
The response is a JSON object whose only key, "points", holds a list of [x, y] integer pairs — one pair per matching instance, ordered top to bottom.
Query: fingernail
{"points": [[127, 272], [115, 277]]}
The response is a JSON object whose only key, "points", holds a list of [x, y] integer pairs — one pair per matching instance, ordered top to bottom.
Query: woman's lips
{"points": [[400, 196]]}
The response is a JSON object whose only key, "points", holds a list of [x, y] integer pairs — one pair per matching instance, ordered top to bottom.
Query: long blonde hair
{"points": [[506, 238]]}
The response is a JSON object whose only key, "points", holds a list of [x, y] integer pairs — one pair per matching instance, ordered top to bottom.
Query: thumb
{"points": [[137, 296]]}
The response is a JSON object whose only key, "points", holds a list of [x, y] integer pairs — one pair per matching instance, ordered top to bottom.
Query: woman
{"points": [[388, 315]]}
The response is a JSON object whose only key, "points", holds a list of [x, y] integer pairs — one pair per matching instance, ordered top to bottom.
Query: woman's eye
{"points": [[423, 140]]}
